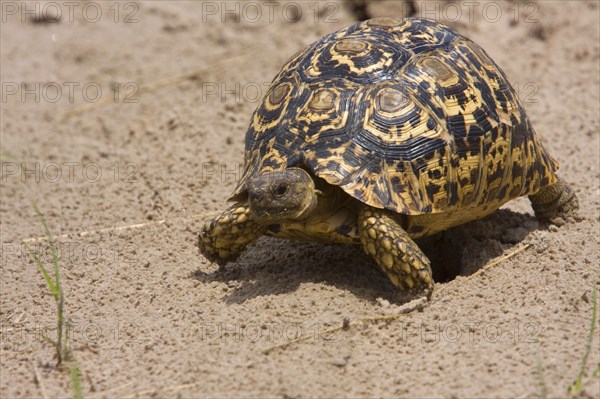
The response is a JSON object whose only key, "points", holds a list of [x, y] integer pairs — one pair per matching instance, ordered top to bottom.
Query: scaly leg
{"points": [[557, 200], [223, 238], [394, 251]]}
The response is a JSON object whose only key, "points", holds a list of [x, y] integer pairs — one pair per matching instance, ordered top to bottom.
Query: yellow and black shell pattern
{"points": [[402, 114]]}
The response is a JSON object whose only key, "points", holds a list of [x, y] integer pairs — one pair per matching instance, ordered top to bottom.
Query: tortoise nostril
{"points": [[281, 189]]}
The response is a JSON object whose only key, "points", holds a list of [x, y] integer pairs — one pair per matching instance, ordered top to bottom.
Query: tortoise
{"points": [[381, 133]]}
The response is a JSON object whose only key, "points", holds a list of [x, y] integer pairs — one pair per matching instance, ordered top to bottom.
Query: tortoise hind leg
{"points": [[557, 200], [224, 237], [394, 251]]}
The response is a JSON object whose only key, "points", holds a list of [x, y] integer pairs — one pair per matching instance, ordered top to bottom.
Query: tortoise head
{"points": [[285, 195]]}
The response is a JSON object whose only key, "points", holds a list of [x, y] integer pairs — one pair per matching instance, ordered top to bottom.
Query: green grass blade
{"points": [[6, 154], [52, 246], [49, 282], [54, 286], [49, 340], [61, 344], [75, 375], [577, 386]]}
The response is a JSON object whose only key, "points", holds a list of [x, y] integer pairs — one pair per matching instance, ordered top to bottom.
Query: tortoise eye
{"points": [[281, 189]]}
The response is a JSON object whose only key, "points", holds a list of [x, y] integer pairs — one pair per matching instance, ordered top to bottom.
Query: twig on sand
{"points": [[160, 83], [111, 229], [501, 259], [493, 264], [409, 307], [345, 324]]}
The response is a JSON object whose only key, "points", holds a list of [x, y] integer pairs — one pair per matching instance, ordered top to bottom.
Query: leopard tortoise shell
{"points": [[381, 133]]}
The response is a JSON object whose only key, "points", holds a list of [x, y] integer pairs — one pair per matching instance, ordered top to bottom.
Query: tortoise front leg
{"points": [[223, 238], [394, 251]]}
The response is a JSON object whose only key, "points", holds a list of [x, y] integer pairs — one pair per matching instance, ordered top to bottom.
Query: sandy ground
{"points": [[162, 149]]}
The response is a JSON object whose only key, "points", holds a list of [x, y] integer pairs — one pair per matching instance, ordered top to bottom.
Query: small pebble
{"points": [[558, 221], [384, 303]]}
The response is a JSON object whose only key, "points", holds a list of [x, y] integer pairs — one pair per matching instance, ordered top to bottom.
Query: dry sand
{"points": [[150, 317]]}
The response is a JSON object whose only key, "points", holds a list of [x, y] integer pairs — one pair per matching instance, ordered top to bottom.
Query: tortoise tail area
{"points": [[533, 168], [553, 198], [555, 201]]}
